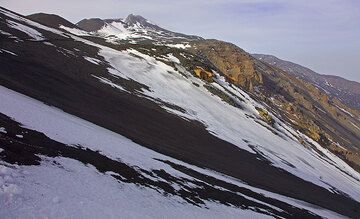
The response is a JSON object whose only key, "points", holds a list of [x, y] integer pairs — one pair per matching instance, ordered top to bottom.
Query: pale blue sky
{"points": [[323, 35]]}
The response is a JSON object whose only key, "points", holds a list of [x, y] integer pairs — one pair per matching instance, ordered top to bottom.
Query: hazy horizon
{"points": [[322, 35]]}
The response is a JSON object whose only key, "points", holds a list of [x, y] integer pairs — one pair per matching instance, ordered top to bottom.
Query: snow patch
{"points": [[75, 31], [31, 32], [179, 46], [7, 51], [172, 58], [92, 60], [107, 81], [345, 111], [3, 130], [19, 136]]}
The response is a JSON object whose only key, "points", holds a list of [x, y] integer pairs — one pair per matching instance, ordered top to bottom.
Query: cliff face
{"points": [[233, 62]]}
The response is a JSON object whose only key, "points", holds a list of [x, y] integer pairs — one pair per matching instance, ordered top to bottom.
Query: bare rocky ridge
{"points": [[348, 92]]}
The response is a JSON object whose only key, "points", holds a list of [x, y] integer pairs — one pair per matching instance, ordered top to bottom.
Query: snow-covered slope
{"points": [[242, 128], [153, 140]]}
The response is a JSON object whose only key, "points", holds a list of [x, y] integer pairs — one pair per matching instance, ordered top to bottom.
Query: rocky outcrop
{"points": [[233, 62], [203, 74]]}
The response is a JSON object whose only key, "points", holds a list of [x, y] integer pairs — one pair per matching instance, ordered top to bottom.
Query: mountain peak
{"points": [[133, 18], [138, 20], [92, 24]]}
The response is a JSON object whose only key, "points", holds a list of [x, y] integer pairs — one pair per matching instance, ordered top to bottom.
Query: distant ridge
{"points": [[51, 20], [348, 92]]}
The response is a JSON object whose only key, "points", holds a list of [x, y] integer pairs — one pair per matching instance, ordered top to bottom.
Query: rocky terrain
{"points": [[306, 107]]}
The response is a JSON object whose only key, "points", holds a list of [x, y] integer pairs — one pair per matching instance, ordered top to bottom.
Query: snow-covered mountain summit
{"points": [[140, 22], [134, 29]]}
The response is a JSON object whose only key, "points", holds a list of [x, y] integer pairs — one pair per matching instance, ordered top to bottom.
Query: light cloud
{"points": [[323, 35]]}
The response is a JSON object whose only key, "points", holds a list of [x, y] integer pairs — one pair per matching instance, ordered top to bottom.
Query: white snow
{"points": [[30, 23], [116, 29], [75, 31], [31, 32], [5, 33], [9, 35], [179, 45], [7, 51], [172, 58], [92, 60], [107, 81], [328, 84], [345, 111], [233, 124], [355, 125], [3, 130], [19, 136], [7, 188], [73, 189], [82, 192]]}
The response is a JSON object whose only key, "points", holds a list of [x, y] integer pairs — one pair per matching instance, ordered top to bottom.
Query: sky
{"points": [[323, 35]]}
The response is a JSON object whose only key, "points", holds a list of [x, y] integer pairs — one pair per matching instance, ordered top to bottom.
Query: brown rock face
{"points": [[235, 63], [203, 74]]}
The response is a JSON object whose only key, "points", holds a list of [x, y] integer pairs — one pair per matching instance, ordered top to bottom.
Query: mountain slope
{"points": [[346, 91], [305, 107], [166, 126]]}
